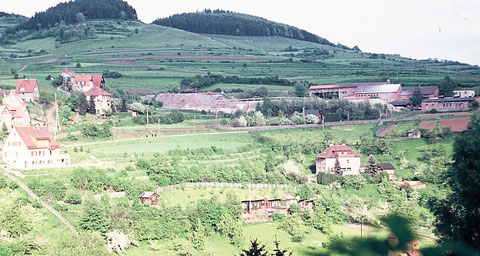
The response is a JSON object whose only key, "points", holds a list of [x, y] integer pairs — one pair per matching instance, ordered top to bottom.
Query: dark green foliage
{"points": [[67, 13], [236, 24], [111, 74], [211, 79], [57, 81], [446, 87], [300, 90], [417, 98], [82, 104], [475, 105], [91, 106], [123, 107], [97, 130], [372, 168], [327, 178], [305, 192], [95, 216], [277, 217], [458, 218], [199, 235], [256, 249]]}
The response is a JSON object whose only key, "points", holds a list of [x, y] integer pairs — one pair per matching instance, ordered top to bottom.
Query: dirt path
{"points": [[34, 57], [22, 68], [50, 118], [387, 130], [144, 138], [36, 198]]}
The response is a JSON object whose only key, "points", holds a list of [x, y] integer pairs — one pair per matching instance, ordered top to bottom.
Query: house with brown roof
{"points": [[27, 89], [427, 92], [102, 99], [14, 112], [33, 148], [339, 159], [388, 168]]}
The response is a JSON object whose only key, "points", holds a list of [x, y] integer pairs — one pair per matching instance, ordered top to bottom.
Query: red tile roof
{"points": [[69, 72], [97, 80], [28, 85], [97, 91], [29, 136], [338, 151]]}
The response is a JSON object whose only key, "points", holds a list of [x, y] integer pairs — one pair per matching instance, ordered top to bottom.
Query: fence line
{"points": [[219, 185]]}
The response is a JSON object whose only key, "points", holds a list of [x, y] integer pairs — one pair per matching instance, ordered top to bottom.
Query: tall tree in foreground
{"points": [[446, 87], [416, 99], [82, 104], [91, 108], [458, 215]]}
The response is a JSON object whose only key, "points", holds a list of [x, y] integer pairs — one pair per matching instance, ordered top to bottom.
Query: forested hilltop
{"points": [[68, 13], [236, 24]]}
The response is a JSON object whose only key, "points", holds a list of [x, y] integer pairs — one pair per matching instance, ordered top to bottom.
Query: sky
{"points": [[443, 29]]}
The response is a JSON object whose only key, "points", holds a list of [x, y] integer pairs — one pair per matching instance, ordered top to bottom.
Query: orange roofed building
{"points": [[27, 89], [29, 148], [339, 159]]}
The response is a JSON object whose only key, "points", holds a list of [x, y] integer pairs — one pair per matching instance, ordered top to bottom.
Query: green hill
{"points": [[10, 20], [237, 24], [156, 58]]}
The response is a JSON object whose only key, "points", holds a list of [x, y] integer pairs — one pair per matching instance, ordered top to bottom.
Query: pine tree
{"points": [[82, 104], [123, 107], [91, 109], [372, 167], [199, 236], [256, 249], [280, 252]]}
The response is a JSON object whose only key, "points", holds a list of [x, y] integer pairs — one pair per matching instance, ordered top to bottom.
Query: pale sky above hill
{"points": [[443, 29]]}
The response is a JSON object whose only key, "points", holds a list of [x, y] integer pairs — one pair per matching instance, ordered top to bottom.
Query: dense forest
{"points": [[69, 13], [236, 24]]}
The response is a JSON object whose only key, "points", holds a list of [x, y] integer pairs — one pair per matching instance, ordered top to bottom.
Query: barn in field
{"points": [[152, 197]]}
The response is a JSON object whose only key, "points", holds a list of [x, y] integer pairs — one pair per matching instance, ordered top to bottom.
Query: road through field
{"points": [[146, 138]]}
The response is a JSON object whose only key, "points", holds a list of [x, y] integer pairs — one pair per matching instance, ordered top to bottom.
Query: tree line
{"points": [[68, 13], [236, 24], [199, 82]]}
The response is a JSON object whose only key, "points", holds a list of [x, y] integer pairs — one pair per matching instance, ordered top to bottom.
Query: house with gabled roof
{"points": [[84, 83], [27, 89], [102, 99], [14, 112], [29, 148], [338, 159]]}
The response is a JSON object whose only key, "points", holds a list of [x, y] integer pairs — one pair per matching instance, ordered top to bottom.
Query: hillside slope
{"points": [[230, 23]]}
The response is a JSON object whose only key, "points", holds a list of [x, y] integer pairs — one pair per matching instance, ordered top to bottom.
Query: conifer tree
{"points": [[82, 104], [123, 107], [91, 108]]}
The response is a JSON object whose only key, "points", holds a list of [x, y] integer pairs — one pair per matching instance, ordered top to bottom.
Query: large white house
{"points": [[27, 89], [101, 98], [33, 148], [338, 159]]}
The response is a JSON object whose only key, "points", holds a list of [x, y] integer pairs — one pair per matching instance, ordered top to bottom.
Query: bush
{"points": [[97, 130], [328, 178], [3, 183], [12, 185], [73, 196], [278, 217]]}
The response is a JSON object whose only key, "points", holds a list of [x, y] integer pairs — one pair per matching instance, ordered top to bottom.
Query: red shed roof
{"points": [[26, 86], [97, 91], [31, 135], [338, 151]]}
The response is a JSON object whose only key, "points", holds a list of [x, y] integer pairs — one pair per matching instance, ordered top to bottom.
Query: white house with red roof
{"points": [[84, 83], [27, 89], [102, 99], [29, 148], [339, 159]]}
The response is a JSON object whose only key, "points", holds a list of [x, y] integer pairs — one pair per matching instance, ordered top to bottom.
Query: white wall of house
{"points": [[30, 96], [102, 103], [16, 154], [349, 165]]}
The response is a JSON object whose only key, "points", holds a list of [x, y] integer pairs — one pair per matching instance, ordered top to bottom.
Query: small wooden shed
{"points": [[149, 196]]}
